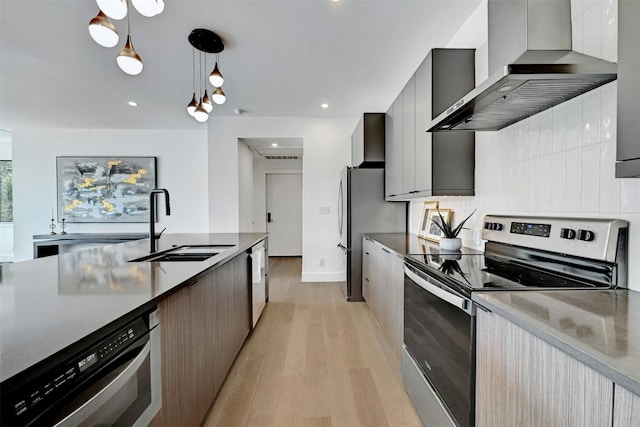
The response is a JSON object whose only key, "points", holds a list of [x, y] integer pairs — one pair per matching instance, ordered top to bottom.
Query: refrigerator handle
{"points": [[340, 208], [343, 248]]}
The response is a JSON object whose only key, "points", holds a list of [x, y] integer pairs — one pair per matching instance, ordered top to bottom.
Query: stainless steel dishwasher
{"points": [[258, 281]]}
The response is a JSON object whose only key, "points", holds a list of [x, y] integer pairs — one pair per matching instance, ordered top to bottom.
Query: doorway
{"points": [[284, 213]]}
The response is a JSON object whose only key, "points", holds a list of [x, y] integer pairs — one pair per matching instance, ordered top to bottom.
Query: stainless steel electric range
{"points": [[521, 253]]}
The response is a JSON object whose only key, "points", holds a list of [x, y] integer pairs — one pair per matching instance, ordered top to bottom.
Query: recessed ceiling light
{"points": [[133, 103], [324, 105], [274, 144]]}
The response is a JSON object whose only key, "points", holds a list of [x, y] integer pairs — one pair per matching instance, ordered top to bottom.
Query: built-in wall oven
{"points": [[521, 254], [113, 381]]}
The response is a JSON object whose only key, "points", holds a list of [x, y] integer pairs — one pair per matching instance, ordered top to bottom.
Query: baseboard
{"points": [[324, 277]]}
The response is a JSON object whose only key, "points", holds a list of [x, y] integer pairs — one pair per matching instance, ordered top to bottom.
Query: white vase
{"points": [[453, 244]]}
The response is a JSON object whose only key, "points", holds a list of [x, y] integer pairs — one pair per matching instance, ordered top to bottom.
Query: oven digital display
{"points": [[541, 230], [87, 362]]}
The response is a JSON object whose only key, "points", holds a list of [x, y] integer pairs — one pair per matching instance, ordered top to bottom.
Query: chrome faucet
{"points": [[152, 215]]}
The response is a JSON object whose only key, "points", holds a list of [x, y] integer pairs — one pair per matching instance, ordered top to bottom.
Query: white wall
{"points": [[327, 149], [560, 162], [262, 167], [182, 169], [245, 188], [6, 228]]}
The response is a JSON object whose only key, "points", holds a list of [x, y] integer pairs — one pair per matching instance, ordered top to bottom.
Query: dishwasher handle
{"points": [[449, 297]]}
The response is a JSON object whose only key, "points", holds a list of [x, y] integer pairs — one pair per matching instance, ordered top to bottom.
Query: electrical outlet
{"points": [[321, 262]]}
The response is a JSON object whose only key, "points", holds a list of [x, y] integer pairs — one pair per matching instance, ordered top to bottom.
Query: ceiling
{"points": [[281, 58]]}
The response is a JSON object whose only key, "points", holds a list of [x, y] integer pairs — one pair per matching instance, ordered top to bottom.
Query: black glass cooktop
{"points": [[488, 272]]}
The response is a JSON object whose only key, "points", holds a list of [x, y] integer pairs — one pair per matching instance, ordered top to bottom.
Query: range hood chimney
{"points": [[533, 39]]}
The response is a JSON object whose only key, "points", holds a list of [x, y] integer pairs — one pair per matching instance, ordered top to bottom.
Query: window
{"points": [[6, 191]]}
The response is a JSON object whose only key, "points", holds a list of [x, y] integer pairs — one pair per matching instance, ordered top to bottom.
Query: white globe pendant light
{"points": [[148, 8], [114, 9], [103, 31], [128, 59], [216, 78], [218, 96], [206, 102], [191, 108], [201, 114]]}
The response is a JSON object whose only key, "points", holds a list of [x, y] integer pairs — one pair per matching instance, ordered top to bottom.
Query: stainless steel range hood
{"points": [[533, 37]]}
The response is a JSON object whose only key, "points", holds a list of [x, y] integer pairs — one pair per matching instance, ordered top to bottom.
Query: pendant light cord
{"points": [[128, 14], [193, 67], [200, 75]]}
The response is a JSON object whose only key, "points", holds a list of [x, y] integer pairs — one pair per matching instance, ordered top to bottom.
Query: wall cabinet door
{"points": [[409, 136], [367, 140], [393, 150], [432, 164], [385, 291], [522, 380]]}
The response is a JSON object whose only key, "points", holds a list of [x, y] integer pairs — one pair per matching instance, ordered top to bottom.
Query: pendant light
{"points": [[148, 8], [114, 9], [103, 31], [128, 59], [216, 77], [218, 96], [206, 102], [191, 108], [200, 114]]}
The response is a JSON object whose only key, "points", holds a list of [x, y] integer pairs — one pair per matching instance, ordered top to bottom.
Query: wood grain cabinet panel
{"points": [[383, 277], [203, 327], [523, 381], [626, 408]]}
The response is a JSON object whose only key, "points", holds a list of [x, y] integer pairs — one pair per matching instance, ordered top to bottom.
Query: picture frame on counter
{"points": [[424, 217], [433, 232]]}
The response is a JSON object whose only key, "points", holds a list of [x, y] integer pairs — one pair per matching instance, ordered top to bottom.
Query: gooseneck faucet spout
{"points": [[152, 214]]}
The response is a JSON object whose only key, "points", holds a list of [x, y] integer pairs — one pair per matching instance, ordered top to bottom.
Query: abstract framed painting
{"points": [[105, 189]]}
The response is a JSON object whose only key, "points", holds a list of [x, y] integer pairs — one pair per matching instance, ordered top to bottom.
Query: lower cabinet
{"points": [[383, 290], [203, 326], [523, 381], [626, 408]]}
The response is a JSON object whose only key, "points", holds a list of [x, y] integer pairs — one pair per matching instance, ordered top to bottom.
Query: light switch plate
{"points": [[323, 210]]}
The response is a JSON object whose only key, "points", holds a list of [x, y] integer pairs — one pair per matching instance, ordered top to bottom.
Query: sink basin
{"points": [[192, 253], [191, 256]]}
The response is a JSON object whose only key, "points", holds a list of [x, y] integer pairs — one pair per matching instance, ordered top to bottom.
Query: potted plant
{"points": [[450, 240]]}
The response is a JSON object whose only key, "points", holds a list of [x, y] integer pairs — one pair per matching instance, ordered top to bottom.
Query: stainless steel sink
{"points": [[186, 253]]}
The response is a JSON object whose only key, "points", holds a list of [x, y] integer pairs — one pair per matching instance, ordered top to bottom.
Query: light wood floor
{"points": [[313, 360]]}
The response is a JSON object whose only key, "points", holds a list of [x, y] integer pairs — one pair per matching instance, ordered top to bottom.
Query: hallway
{"points": [[313, 360]]}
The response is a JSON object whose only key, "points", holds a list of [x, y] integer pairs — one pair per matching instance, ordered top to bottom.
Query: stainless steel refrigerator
{"points": [[361, 210]]}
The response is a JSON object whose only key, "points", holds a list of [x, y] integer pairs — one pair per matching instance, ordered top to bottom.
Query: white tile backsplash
{"points": [[610, 30], [592, 41], [608, 111], [591, 117], [574, 123], [559, 128], [546, 132], [563, 169], [590, 179], [574, 180], [558, 184], [609, 185]]}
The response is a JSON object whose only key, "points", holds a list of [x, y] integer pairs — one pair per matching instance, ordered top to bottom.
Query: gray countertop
{"points": [[410, 244], [48, 304], [599, 328]]}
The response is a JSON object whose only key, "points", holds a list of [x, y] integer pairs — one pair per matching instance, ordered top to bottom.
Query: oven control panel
{"points": [[594, 238]]}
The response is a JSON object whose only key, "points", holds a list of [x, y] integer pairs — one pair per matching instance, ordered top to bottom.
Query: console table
{"points": [[47, 244]]}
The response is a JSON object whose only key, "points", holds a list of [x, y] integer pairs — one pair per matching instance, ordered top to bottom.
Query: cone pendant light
{"points": [[103, 31]]}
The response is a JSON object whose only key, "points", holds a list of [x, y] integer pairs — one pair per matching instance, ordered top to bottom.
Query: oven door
{"points": [[438, 335]]}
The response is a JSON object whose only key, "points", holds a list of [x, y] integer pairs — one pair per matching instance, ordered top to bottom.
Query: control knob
{"points": [[488, 226], [497, 226], [568, 233], [586, 235]]}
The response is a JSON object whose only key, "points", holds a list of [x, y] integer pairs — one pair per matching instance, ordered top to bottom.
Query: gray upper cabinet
{"points": [[367, 141], [628, 153], [421, 164]]}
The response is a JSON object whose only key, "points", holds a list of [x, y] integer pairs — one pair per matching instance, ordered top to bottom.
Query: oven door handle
{"points": [[452, 299], [102, 396]]}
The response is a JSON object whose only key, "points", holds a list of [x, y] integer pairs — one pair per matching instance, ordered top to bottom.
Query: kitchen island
{"points": [[59, 304]]}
